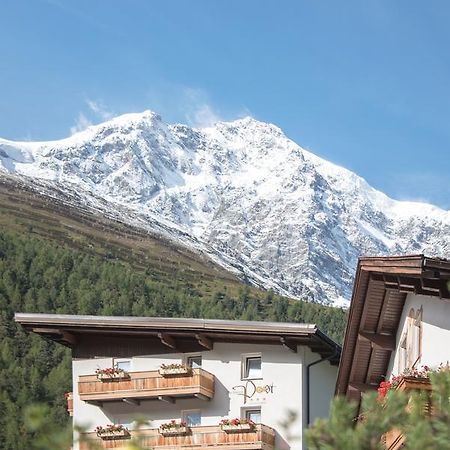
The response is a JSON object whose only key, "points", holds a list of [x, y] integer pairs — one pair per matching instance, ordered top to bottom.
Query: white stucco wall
{"points": [[435, 331], [280, 367], [322, 385]]}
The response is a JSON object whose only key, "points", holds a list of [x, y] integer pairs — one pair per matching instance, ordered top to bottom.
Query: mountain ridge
{"points": [[243, 192]]}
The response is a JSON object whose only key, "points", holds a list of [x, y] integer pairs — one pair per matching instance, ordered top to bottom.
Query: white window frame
{"points": [[417, 337], [410, 345], [402, 353], [191, 355], [244, 358], [119, 360], [247, 410], [186, 412]]}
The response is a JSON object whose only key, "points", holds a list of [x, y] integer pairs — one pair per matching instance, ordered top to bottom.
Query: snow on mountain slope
{"points": [[243, 191]]}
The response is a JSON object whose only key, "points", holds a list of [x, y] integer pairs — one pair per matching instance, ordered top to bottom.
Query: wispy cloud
{"points": [[84, 15], [194, 106], [99, 109], [198, 110], [97, 112], [244, 112], [81, 123], [426, 187]]}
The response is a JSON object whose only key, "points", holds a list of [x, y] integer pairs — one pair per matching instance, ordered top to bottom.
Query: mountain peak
{"points": [[143, 120], [249, 123], [242, 192]]}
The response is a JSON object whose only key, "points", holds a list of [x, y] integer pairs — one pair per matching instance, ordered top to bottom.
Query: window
{"points": [[414, 338], [410, 349], [402, 358], [194, 361], [124, 364], [251, 367], [253, 414], [192, 417], [127, 423]]}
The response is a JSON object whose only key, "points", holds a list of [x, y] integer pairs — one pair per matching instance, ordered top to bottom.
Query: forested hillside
{"points": [[39, 275]]}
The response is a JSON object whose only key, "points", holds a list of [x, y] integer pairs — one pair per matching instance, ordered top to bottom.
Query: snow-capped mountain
{"points": [[241, 191]]}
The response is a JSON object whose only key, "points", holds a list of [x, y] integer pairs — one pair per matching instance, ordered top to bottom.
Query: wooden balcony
{"points": [[147, 385], [69, 400], [199, 438], [394, 439]]}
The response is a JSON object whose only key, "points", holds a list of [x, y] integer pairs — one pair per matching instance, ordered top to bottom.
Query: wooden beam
{"points": [[423, 285], [46, 330], [62, 335], [69, 338], [167, 340], [204, 341], [383, 341], [288, 344], [361, 387], [165, 398], [132, 401]]}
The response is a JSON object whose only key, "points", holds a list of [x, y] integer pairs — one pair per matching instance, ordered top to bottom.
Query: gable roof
{"points": [[379, 293], [173, 334]]}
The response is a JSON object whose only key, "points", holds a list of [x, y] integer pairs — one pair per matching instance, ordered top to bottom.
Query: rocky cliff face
{"points": [[242, 192]]}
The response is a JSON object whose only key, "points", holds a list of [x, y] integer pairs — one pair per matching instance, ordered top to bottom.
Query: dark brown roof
{"points": [[379, 293], [88, 335]]}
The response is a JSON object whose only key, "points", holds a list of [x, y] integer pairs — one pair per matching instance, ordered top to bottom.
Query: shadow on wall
{"points": [[153, 409], [280, 442]]}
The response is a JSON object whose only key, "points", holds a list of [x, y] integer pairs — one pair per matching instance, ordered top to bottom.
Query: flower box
{"points": [[167, 371], [113, 376], [410, 379], [407, 383], [241, 428], [174, 431], [109, 435]]}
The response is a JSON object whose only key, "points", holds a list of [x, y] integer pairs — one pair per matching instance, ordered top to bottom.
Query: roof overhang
{"points": [[379, 293], [177, 335]]}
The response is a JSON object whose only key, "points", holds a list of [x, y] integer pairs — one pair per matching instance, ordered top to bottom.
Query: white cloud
{"points": [[184, 104], [99, 109], [197, 109], [97, 112], [244, 112], [202, 116], [81, 124]]}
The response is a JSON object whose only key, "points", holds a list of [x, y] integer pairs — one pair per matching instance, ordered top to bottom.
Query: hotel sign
{"points": [[253, 391]]}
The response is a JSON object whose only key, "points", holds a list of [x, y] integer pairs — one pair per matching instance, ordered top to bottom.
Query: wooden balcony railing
{"points": [[147, 385], [69, 400], [199, 438], [394, 439]]}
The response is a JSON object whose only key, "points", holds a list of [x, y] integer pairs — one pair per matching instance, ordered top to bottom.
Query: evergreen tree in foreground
{"points": [[404, 412]]}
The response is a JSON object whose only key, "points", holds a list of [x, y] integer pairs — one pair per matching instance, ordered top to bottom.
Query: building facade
{"points": [[399, 320], [188, 379]]}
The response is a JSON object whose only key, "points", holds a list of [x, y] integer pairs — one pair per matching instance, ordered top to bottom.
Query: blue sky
{"points": [[365, 84]]}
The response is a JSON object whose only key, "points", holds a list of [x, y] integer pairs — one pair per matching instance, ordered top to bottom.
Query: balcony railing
{"points": [[147, 385], [69, 400], [199, 438], [394, 439]]}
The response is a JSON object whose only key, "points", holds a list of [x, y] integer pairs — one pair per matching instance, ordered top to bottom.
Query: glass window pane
{"points": [[195, 362], [125, 365], [253, 368], [253, 415], [192, 418]]}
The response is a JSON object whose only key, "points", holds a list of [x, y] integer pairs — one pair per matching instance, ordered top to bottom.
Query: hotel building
{"points": [[274, 377]]}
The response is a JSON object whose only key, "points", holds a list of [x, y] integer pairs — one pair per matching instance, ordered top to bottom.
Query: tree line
{"points": [[38, 275]]}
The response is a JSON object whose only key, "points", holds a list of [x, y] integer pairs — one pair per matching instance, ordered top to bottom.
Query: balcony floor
{"points": [[147, 385], [200, 438]]}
